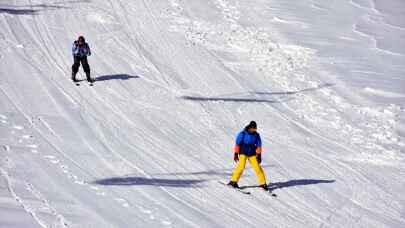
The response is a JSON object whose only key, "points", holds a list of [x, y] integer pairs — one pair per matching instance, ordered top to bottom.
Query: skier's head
{"points": [[81, 40], [251, 127]]}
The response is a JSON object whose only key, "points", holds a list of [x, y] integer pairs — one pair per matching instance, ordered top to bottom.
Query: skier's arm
{"points": [[75, 49], [88, 50], [237, 144], [258, 145]]}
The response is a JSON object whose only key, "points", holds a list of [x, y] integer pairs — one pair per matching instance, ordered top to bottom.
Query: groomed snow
{"points": [[176, 80]]}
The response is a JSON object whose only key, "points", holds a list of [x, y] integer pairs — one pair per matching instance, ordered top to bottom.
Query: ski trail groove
{"points": [[20, 201]]}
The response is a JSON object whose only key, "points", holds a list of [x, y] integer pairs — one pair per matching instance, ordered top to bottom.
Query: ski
{"points": [[78, 83], [91, 83], [237, 189], [268, 190], [272, 193]]}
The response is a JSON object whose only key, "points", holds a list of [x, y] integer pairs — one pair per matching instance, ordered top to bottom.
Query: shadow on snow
{"points": [[33, 9], [18, 11], [115, 77], [298, 91], [258, 97], [228, 99], [213, 172], [131, 181], [168, 182], [292, 183]]}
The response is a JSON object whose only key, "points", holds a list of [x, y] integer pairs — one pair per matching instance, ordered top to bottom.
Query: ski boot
{"points": [[74, 77], [89, 79], [233, 184], [265, 187]]}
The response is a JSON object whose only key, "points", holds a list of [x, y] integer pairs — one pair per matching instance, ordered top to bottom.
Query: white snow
{"points": [[383, 93], [148, 143]]}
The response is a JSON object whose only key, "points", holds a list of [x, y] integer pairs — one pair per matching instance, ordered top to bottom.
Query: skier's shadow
{"points": [[116, 77], [213, 173], [132, 181], [292, 183]]}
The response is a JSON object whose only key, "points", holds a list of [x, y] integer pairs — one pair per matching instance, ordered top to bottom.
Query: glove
{"points": [[236, 157], [259, 158]]}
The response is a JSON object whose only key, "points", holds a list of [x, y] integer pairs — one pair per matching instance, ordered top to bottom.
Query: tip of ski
{"points": [[78, 83], [236, 189]]}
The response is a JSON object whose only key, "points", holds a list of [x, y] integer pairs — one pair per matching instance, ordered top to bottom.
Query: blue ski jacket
{"points": [[82, 51], [248, 144]]}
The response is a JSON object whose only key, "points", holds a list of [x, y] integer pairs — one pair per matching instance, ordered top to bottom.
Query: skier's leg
{"points": [[75, 67], [86, 68], [258, 170], [237, 173]]}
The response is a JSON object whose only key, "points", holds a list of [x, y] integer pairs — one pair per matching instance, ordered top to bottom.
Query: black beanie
{"points": [[252, 124]]}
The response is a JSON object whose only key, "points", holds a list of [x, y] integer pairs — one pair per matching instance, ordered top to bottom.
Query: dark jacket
{"points": [[80, 51]]}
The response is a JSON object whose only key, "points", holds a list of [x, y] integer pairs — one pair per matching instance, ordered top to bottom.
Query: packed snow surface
{"points": [[148, 144]]}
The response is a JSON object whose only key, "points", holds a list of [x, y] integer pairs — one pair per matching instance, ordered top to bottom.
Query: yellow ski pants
{"points": [[237, 173]]}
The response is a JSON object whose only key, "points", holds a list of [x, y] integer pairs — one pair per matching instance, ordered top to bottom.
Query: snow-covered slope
{"points": [[176, 80]]}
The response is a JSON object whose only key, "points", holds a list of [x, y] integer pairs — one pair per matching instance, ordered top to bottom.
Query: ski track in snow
{"points": [[375, 42], [383, 93], [89, 134], [18, 199], [35, 209]]}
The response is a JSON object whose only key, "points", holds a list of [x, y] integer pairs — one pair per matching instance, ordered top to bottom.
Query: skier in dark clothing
{"points": [[80, 51]]}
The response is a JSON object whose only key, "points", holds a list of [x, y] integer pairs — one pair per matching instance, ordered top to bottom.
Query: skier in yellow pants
{"points": [[248, 147]]}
